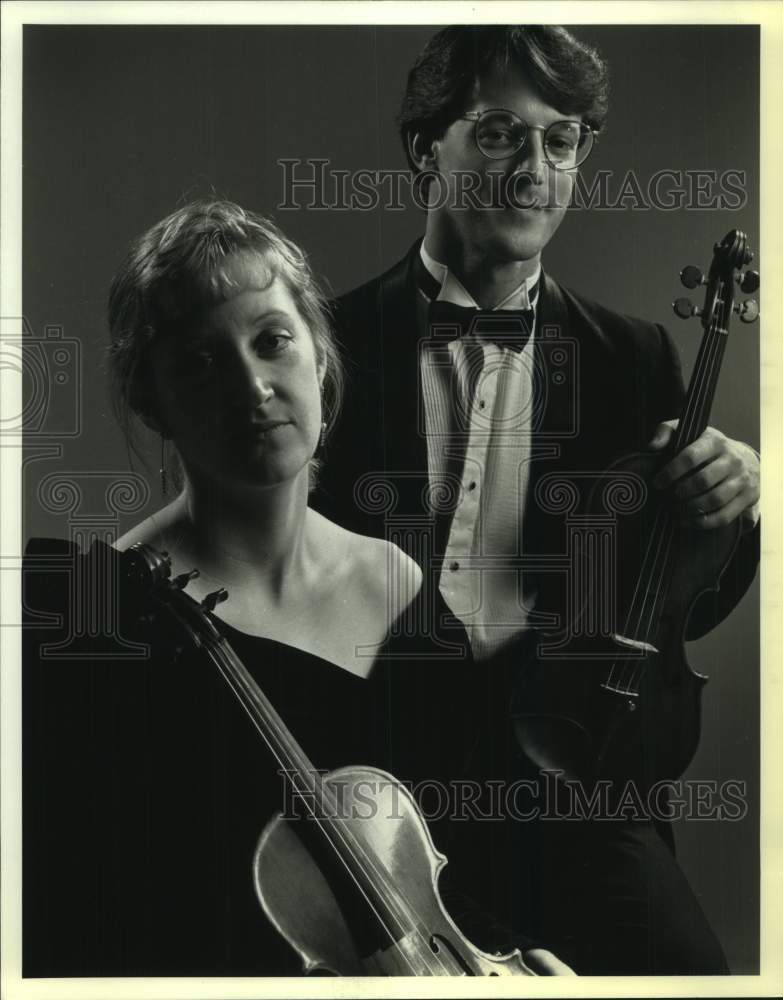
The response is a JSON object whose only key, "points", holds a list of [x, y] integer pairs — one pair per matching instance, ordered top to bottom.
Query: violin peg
{"points": [[691, 276], [749, 282], [684, 308], [748, 311], [181, 581], [212, 600]]}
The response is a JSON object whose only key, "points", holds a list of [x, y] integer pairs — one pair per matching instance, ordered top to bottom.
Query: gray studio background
{"points": [[122, 124]]}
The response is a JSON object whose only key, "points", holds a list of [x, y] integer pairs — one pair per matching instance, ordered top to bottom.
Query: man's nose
{"points": [[530, 160]]}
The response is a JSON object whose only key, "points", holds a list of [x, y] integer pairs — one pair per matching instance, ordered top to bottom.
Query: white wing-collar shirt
{"points": [[477, 417]]}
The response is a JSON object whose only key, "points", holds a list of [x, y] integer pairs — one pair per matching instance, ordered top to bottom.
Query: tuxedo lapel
{"points": [[553, 381], [574, 383], [402, 429]]}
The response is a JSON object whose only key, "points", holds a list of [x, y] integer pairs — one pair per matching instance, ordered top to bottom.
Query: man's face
{"points": [[532, 196]]}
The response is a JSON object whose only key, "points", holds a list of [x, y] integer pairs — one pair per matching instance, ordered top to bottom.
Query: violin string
{"points": [[712, 350], [714, 355], [705, 380], [693, 418], [657, 534], [659, 538], [649, 606], [629, 629], [611, 682], [289, 764], [349, 841], [356, 849]]}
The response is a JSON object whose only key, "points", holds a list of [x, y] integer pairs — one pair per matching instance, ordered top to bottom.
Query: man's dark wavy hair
{"points": [[566, 73]]}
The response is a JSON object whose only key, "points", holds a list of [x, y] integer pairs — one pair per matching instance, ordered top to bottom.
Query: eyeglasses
{"points": [[499, 134]]}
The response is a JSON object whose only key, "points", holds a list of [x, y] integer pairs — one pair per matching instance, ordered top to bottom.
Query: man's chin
{"points": [[518, 234], [516, 245]]}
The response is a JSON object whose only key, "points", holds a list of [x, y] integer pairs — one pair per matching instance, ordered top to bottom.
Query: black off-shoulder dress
{"points": [[146, 786]]}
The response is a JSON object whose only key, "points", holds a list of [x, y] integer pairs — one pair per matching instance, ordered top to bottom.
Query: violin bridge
{"points": [[412, 955]]}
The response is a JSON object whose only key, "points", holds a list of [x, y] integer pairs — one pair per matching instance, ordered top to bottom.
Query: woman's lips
{"points": [[268, 425], [262, 428]]}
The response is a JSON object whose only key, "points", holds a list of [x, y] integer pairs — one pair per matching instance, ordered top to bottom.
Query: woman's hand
{"points": [[715, 478], [544, 963]]}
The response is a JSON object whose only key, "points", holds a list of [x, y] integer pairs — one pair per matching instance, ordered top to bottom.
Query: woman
{"points": [[221, 345], [147, 786]]}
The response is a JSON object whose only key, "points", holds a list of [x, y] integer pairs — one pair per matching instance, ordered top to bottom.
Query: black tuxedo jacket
{"points": [[603, 384]]}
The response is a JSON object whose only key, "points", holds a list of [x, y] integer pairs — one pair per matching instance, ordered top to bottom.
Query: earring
{"points": [[322, 438], [162, 471]]}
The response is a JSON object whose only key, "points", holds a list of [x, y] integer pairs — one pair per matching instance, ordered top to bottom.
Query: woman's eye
{"points": [[273, 340]]}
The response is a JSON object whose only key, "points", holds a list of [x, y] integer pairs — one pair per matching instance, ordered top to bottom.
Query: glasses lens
{"points": [[499, 134], [567, 144]]}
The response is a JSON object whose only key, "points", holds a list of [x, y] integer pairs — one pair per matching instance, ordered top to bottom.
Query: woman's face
{"points": [[240, 396]]}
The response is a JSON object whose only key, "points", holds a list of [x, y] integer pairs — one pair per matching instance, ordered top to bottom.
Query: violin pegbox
{"points": [[729, 257], [155, 594]]}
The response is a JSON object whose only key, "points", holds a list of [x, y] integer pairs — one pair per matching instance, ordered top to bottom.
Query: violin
{"points": [[630, 707], [352, 885]]}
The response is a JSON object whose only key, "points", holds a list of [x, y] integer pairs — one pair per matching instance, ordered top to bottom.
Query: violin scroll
{"points": [[730, 256], [145, 568], [152, 592]]}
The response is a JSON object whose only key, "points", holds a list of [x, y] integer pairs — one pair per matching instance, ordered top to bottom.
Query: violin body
{"points": [[608, 706], [322, 915]]}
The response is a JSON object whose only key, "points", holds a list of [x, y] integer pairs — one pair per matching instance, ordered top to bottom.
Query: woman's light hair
{"points": [[177, 270]]}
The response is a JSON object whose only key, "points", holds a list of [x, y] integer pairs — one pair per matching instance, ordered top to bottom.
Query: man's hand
{"points": [[716, 479], [544, 963]]}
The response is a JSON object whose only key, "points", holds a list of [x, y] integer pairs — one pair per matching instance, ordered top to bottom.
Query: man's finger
{"points": [[663, 434], [702, 451], [707, 479], [719, 496], [708, 520]]}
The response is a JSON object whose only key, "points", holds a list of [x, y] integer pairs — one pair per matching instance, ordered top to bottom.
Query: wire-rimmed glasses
{"points": [[500, 133]]}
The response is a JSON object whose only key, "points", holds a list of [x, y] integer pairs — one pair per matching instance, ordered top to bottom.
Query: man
{"points": [[449, 444]]}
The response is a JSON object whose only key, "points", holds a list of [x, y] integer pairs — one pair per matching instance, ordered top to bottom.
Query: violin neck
{"points": [[701, 390], [657, 567], [293, 761]]}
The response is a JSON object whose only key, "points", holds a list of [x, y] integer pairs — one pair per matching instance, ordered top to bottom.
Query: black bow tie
{"points": [[510, 328]]}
